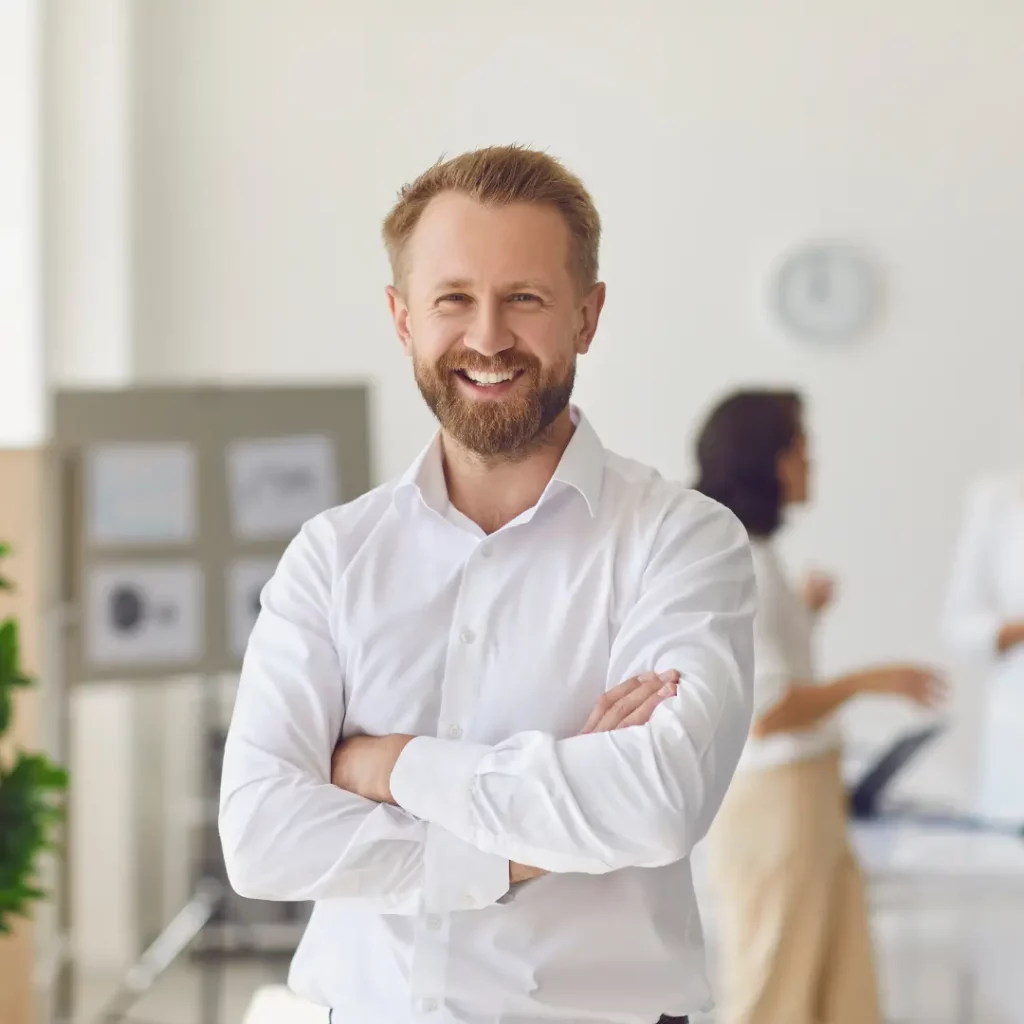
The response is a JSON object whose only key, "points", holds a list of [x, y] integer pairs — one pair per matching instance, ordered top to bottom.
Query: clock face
{"points": [[825, 293]]}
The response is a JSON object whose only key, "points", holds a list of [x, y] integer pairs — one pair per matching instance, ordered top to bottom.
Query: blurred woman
{"points": [[985, 620], [794, 944]]}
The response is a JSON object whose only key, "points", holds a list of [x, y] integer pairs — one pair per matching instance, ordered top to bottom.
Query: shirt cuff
{"points": [[432, 780], [458, 876]]}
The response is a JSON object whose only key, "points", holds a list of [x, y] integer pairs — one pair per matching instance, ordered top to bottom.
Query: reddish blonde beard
{"points": [[507, 428]]}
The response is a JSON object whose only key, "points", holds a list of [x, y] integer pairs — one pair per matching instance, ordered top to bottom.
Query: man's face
{"points": [[493, 320]]}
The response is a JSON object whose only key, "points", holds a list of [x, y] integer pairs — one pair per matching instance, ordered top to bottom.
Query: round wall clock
{"points": [[825, 292]]}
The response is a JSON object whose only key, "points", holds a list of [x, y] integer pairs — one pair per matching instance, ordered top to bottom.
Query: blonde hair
{"points": [[499, 176]]}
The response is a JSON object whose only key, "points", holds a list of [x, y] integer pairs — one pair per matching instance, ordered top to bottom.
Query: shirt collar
{"points": [[581, 468]]}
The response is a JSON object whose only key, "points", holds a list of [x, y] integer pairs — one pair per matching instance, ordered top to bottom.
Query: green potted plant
{"points": [[29, 786]]}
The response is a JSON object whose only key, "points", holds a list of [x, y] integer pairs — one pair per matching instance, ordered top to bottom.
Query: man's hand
{"points": [[630, 703], [363, 765]]}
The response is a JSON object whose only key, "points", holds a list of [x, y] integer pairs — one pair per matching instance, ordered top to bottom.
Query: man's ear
{"points": [[399, 309], [590, 314]]}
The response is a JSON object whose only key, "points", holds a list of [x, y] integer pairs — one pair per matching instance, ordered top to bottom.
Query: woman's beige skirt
{"points": [[795, 946]]}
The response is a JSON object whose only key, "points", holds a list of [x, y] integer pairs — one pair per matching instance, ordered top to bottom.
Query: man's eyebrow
{"points": [[453, 284], [459, 284], [529, 286]]}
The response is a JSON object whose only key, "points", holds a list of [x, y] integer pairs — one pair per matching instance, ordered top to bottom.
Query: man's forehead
{"points": [[461, 240]]}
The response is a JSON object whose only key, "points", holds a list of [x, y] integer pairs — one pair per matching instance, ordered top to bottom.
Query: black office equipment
{"points": [[866, 795]]}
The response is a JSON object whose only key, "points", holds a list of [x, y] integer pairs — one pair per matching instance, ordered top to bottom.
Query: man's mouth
{"points": [[491, 379]]}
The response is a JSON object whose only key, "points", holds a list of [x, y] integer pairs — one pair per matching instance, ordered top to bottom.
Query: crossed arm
{"points": [[364, 765], [464, 814]]}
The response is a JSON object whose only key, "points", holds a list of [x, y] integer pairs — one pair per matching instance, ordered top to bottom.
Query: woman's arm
{"points": [[804, 705]]}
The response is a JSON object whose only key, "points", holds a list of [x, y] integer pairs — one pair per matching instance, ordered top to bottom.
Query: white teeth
{"points": [[489, 378]]}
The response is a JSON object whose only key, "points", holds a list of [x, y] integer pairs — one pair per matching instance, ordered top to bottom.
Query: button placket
{"points": [[458, 690], [458, 700], [430, 961]]}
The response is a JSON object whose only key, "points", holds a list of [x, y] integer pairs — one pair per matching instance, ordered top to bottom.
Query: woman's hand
{"points": [[818, 591], [1010, 636], [921, 685]]}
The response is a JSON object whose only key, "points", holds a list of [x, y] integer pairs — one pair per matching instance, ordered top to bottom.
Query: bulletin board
{"points": [[174, 506]]}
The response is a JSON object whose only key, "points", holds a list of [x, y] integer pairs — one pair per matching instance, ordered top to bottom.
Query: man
{"points": [[536, 656]]}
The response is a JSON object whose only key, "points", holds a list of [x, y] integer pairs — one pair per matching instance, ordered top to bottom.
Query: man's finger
{"points": [[650, 680], [607, 700], [630, 702], [627, 704], [643, 714]]}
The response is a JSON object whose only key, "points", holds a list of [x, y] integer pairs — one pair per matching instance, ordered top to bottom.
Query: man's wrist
{"points": [[363, 765], [522, 873], [518, 876]]}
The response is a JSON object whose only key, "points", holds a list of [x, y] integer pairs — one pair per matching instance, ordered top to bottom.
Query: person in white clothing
{"points": [[984, 620], [488, 708], [794, 939]]}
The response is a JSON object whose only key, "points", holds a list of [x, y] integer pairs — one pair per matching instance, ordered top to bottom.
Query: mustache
{"points": [[466, 359]]}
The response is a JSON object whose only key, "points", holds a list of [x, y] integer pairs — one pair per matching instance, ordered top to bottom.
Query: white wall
{"points": [[273, 136], [270, 138], [88, 191], [87, 286], [21, 348]]}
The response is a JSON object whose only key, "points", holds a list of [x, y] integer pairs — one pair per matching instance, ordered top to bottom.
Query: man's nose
{"points": [[489, 334]]}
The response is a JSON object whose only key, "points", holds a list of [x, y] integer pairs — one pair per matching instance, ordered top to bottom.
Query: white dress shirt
{"points": [[986, 591], [395, 614], [783, 655]]}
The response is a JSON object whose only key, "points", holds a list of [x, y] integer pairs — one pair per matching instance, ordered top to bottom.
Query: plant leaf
{"points": [[31, 807]]}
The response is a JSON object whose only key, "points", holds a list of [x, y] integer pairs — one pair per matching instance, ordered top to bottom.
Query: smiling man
{"points": [[489, 708]]}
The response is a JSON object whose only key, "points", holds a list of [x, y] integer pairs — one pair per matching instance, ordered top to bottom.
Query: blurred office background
{"points": [[191, 192]]}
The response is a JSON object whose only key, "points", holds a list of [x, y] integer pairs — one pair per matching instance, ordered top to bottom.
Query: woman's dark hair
{"points": [[738, 453]]}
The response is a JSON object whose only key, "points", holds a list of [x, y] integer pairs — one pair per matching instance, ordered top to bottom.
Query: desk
{"points": [[917, 870]]}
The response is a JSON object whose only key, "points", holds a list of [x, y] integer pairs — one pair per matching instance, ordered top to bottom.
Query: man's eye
{"points": [[455, 297], [524, 297]]}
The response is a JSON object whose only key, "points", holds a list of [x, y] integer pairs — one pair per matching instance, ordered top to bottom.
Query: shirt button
{"points": [[485, 551], [467, 636], [455, 731], [433, 923], [429, 1005]]}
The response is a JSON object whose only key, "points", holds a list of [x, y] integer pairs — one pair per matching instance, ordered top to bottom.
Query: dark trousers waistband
{"points": [[661, 1020]]}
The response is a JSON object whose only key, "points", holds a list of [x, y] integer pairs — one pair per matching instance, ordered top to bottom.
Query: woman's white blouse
{"points": [[783, 655]]}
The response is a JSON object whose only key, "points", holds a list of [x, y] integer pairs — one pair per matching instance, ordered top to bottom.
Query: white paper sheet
{"points": [[277, 483], [137, 494], [246, 579], [144, 613]]}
